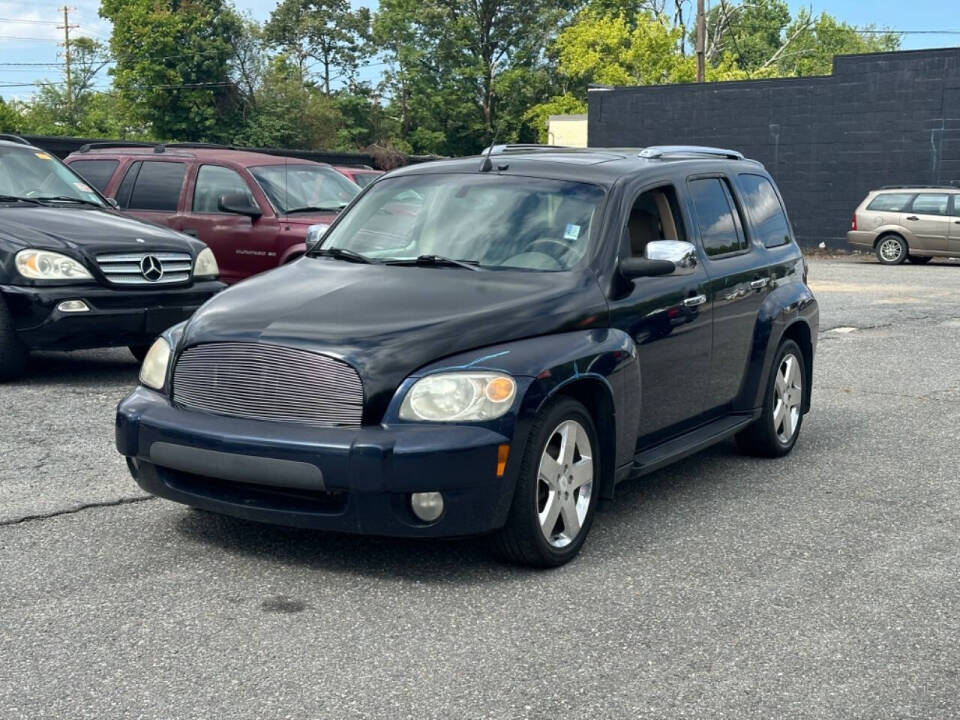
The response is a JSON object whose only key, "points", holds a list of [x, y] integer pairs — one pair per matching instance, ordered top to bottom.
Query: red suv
{"points": [[362, 176], [253, 210]]}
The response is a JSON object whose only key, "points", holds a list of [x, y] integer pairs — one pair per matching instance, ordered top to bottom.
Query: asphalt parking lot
{"points": [[826, 584]]}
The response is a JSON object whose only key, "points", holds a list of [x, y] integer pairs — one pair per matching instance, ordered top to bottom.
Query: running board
{"points": [[689, 443]]}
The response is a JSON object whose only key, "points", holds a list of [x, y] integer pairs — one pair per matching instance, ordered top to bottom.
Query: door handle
{"points": [[912, 217], [956, 222], [759, 283], [695, 300]]}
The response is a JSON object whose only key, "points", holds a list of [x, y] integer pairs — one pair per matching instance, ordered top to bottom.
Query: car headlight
{"points": [[315, 234], [46, 265], [206, 265], [153, 372], [447, 397]]}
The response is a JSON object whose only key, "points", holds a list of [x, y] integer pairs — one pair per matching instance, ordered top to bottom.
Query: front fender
{"points": [[785, 306], [600, 361]]}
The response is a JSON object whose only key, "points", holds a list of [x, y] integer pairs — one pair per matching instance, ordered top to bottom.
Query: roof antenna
{"points": [[486, 165]]}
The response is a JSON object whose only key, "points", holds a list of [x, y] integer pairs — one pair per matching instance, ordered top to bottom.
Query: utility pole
{"points": [[67, 27], [701, 41]]}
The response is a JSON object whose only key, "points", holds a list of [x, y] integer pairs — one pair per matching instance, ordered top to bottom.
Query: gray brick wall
{"points": [[880, 119]]}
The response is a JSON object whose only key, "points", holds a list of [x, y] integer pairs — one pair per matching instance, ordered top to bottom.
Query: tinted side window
{"points": [[96, 172], [214, 181], [158, 186], [126, 187], [891, 202], [931, 204], [766, 213], [717, 217]]}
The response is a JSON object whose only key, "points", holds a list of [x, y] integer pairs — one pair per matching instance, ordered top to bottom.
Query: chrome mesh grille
{"points": [[128, 268], [268, 382]]}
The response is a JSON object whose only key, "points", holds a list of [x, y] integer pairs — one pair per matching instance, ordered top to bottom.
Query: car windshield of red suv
{"points": [[35, 176], [302, 188]]}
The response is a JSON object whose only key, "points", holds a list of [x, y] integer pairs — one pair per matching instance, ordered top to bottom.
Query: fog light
{"points": [[73, 306], [427, 506]]}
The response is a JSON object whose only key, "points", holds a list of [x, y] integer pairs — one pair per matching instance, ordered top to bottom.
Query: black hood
{"points": [[86, 231], [388, 321]]}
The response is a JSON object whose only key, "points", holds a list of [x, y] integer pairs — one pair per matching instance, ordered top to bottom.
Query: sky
{"points": [[29, 34]]}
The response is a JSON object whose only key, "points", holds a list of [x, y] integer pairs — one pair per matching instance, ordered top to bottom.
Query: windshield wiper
{"points": [[17, 198], [69, 198], [317, 208], [343, 254], [437, 261]]}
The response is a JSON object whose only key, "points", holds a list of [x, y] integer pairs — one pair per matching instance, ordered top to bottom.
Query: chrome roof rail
{"points": [[524, 147], [656, 152]]}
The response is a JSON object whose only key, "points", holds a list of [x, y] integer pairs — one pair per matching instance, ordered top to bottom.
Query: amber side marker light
{"points": [[502, 452]]}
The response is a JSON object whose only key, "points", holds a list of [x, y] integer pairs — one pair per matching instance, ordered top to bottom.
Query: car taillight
{"points": [[853, 222]]}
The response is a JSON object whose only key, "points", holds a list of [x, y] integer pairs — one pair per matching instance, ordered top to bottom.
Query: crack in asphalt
{"points": [[72, 511]]}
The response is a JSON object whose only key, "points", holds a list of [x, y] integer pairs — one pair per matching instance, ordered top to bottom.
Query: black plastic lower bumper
{"points": [[114, 318], [349, 480]]}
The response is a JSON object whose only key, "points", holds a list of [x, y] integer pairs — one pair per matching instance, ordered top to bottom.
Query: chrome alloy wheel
{"points": [[890, 249], [788, 398], [564, 483]]}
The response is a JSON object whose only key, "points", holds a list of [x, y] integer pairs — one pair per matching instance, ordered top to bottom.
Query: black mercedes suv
{"points": [[75, 273], [488, 346]]}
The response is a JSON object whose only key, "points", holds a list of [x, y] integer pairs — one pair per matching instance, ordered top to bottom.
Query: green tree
{"points": [[328, 31], [811, 44], [453, 60], [173, 65], [11, 119]]}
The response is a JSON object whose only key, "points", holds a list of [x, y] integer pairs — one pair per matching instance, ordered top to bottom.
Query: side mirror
{"points": [[112, 202], [239, 204], [315, 234], [683, 255]]}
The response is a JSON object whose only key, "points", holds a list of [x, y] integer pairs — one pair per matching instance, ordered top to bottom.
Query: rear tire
{"points": [[892, 250], [919, 259], [139, 351], [13, 353], [776, 430], [557, 489]]}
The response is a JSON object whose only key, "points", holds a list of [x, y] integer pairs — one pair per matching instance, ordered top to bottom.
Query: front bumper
{"points": [[861, 239], [115, 318], [342, 479]]}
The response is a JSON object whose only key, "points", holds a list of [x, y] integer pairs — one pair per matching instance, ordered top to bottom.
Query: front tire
{"points": [[892, 250], [13, 353], [776, 430], [557, 489]]}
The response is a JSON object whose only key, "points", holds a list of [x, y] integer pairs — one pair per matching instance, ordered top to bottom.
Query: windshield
{"points": [[31, 173], [364, 179], [294, 187], [493, 221]]}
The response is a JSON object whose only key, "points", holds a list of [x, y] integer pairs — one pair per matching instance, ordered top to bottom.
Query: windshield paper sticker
{"points": [[42, 156], [82, 187], [572, 232]]}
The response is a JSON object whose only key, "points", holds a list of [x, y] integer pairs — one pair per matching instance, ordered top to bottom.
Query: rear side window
{"points": [[96, 172], [214, 181], [157, 186], [890, 202], [931, 203], [717, 216], [768, 219]]}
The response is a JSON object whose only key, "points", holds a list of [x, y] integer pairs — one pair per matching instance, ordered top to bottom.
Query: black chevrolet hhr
{"points": [[75, 273], [488, 346]]}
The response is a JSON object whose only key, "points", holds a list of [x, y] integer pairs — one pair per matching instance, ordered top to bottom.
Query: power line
{"points": [[31, 22]]}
